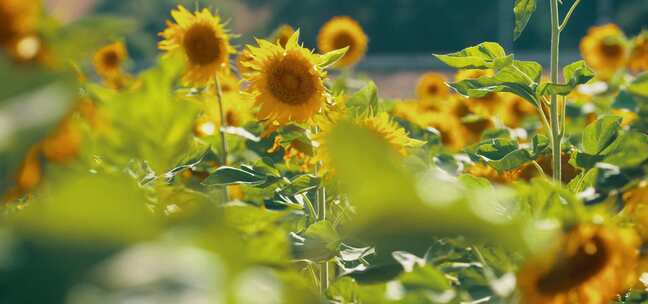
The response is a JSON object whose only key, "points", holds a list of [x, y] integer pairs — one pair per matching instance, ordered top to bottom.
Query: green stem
{"points": [[568, 16], [223, 123], [555, 127], [321, 216]]}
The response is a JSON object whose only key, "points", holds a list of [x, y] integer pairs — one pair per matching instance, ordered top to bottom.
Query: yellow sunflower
{"points": [[18, 28], [341, 32], [283, 34], [203, 41], [604, 49], [639, 56], [244, 58], [107, 60], [473, 74], [286, 82], [431, 86], [237, 108], [515, 109], [380, 125], [64, 143], [30, 172], [489, 173], [636, 207], [589, 264]]}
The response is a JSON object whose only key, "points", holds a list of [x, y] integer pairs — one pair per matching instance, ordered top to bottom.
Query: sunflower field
{"points": [[231, 169]]}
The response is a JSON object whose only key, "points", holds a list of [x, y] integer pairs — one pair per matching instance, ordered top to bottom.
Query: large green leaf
{"points": [[523, 10], [486, 55], [576, 73], [520, 78], [639, 86], [364, 100], [600, 134], [234, 176], [401, 212]]}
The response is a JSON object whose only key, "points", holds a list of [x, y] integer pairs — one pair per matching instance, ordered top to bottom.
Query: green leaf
{"points": [[523, 10], [486, 55], [331, 58], [577, 73], [520, 78], [640, 85], [366, 99], [600, 134], [540, 145], [496, 148], [628, 151], [512, 160], [232, 176], [301, 184], [319, 244], [425, 277]]}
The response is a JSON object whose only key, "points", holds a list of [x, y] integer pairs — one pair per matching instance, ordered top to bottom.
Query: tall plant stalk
{"points": [[219, 100], [556, 134]]}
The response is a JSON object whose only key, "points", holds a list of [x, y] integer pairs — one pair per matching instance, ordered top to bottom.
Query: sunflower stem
{"points": [[569, 14], [223, 124], [556, 137], [321, 216]]}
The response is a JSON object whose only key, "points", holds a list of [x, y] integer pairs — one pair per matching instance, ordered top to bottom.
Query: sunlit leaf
{"points": [[523, 10]]}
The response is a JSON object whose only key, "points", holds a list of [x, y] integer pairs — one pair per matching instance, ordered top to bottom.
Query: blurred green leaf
{"points": [[523, 10], [331, 58], [639, 85], [233, 176], [92, 210], [425, 277]]}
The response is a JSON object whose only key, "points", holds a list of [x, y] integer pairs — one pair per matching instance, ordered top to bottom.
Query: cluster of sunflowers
{"points": [[274, 173]]}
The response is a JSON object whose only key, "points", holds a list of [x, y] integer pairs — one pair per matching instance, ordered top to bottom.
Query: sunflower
{"points": [[18, 28], [341, 32], [283, 34], [202, 40], [604, 49], [639, 56], [244, 58], [107, 60], [473, 74], [286, 82], [431, 86], [237, 108], [515, 109], [380, 125], [64, 143], [529, 170], [30, 172], [489, 173], [636, 207], [589, 264]]}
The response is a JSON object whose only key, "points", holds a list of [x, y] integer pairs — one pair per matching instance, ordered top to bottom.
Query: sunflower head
{"points": [[18, 28], [341, 32], [282, 34], [201, 38], [605, 50], [639, 56], [108, 60], [242, 60], [473, 74], [286, 82], [431, 86], [237, 108], [515, 109], [380, 125], [64, 143], [30, 172], [589, 264]]}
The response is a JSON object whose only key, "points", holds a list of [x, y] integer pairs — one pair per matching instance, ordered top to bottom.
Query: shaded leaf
{"points": [[523, 10]]}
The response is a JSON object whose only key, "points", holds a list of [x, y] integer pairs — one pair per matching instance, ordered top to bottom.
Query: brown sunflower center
{"points": [[342, 40], [202, 45], [611, 50], [111, 59], [291, 80], [433, 89], [231, 119], [572, 271]]}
